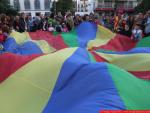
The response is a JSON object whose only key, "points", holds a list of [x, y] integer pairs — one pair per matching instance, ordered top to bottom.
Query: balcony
{"points": [[106, 5], [120, 5]]}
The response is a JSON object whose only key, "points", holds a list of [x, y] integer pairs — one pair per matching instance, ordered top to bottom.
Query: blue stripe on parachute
{"points": [[86, 31], [10, 45], [27, 48], [132, 51], [84, 87]]}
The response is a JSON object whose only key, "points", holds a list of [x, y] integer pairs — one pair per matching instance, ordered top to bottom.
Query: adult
{"points": [[22, 23], [16, 24], [147, 25]]}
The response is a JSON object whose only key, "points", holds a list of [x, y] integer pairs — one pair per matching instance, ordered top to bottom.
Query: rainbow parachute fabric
{"points": [[84, 71]]}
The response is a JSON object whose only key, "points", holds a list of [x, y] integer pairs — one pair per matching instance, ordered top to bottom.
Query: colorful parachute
{"points": [[86, 35], [84, 71]]}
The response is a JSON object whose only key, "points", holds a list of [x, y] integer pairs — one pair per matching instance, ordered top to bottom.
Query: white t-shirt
{"points": [[51, 29], [137, 33]]}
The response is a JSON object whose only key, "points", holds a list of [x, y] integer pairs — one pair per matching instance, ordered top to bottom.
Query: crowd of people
{"points": [[59, 22], [135, 26]]}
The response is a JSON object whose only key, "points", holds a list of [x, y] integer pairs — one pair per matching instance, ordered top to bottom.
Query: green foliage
{"points": [[63, 6], [143, 6], [6, 8]]}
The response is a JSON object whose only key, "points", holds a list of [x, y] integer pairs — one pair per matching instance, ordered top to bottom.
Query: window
{"points": [[16, 4], [27, 4], [37, 4], [47, 4], [130, 4], [108, 5], [37, 13], [47, 13], [28, 14]]}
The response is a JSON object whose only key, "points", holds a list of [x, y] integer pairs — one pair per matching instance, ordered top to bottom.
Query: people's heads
{"points": [[69, 12], [59, 13], [148, 13], [22, 15], [52, 15], [91, 15], [96, 15], [119, 15], [42, 16], [77, 16], [140, 16], [29, 17], [68, 17], [86, 17], [107, 17], [136, 17], [8, 18], [17, 18], [46, 18], [131, 18], [3, 19], [57, 22], [50, 24], [63, 25], [137, 26], [126, 27], [0, 28], [5, 29]]}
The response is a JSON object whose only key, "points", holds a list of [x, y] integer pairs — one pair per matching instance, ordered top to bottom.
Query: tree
{"points": [[63, 6], [143, 6], [6, 8]]}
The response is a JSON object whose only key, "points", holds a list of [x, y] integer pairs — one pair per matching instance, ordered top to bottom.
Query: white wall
{"points": [[11, 2], [21, 4], [90, 4], [32, 10]]}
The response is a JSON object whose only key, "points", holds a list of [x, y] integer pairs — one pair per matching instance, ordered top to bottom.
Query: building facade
{"points": [[86, 5], [106, 5], [117, 5], [32, 7]]}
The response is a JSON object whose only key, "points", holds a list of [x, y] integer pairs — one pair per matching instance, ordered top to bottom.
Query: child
{"points": [[44, 25], [58, 27], [51, 28], [64, 28], [4, 30], [137, 33], [2, 39]]}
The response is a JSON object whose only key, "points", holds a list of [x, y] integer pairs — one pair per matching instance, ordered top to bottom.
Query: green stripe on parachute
{"points": [[70, 38], [145, 42], [134, 92]]}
